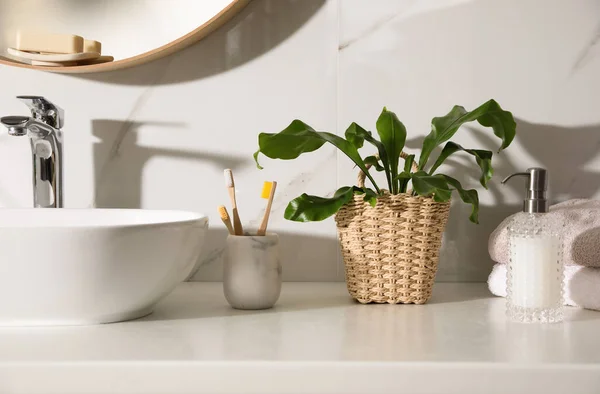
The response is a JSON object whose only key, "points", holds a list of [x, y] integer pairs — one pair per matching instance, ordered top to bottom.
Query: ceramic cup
{"points": [[252, 271]]}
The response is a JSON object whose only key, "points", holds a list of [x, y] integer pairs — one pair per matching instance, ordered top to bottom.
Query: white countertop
{"points": [[316, 340]]}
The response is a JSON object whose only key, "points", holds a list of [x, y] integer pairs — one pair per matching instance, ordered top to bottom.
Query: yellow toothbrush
{"points": [[268, 192], [225, 218]]}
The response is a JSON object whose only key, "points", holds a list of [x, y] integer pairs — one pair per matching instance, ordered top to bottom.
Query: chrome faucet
{"points": [[44, 131]]}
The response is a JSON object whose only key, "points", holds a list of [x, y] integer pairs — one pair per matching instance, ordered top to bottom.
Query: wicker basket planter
{"points": [[391, 250]]}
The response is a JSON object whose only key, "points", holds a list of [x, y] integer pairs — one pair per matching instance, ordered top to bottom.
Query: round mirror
{"points": [[75, 36]]}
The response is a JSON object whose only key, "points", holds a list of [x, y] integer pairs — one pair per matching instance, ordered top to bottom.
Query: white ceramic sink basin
{"points": [[89, 266]]}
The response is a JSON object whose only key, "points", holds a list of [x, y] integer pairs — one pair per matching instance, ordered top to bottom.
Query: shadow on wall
{"points": [[258, 28], [566, 152], [119, 161], [118, 168], [305, 258]]}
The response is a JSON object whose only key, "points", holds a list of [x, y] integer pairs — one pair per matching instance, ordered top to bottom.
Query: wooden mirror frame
{"points": [[194, 36]]}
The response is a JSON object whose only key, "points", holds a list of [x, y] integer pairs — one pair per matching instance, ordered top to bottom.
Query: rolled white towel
{"points": [[582, 285]]}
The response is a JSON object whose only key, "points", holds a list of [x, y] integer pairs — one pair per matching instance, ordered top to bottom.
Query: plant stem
{"points": [[388, 177], [373, 182], [394, 188]]}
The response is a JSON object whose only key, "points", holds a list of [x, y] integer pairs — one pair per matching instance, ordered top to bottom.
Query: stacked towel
{"points": [[580, 228], [581, 233]]}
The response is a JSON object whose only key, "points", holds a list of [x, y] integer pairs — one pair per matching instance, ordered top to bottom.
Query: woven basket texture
{"points": [[391, 250]]}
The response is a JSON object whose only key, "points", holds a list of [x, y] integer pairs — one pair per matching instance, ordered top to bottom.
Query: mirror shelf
{"points": [[233, 7]]}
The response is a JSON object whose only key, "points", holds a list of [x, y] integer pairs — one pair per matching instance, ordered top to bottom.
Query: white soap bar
{"points": [[32, 41], [92, 46]]}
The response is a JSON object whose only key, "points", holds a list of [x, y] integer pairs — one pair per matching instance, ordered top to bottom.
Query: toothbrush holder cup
{"points": [[252, 271]]}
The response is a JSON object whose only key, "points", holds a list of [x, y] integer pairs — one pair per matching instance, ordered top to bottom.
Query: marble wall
{"points": [[159, 135]]}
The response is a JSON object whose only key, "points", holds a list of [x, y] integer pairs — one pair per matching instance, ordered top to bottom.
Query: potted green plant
{"points": [[390, 238]]}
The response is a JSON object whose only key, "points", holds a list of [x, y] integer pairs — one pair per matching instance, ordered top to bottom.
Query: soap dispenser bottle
{"points": [[535, 269]]}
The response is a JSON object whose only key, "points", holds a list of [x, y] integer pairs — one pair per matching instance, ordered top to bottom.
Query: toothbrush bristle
{"points": [[228, 178], [266, 191], [223, 212]]}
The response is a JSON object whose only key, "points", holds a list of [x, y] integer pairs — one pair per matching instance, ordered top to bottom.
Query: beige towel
{"points": [[580, 228]]}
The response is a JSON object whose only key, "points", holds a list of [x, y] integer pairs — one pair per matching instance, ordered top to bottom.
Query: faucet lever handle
{"points": [[45, 111]]}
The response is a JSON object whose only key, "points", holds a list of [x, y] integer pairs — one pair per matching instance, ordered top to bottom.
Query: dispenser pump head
{"points": [[537, 185]]}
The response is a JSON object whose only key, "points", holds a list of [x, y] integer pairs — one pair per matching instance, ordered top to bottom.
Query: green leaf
{"points": [[488, 114], [392, 134], [357, 135], [299, 138], [290, 143], [482, 157], [256, 159], [374, 161], [408, 162], [403, 178], [403, 182], [428, 185], [370, 195], [442, 195], [469, 196], [371, 198], [314, 209]]}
